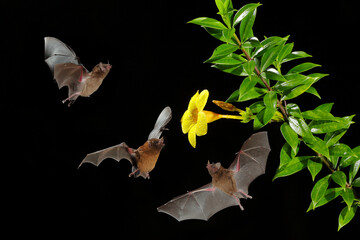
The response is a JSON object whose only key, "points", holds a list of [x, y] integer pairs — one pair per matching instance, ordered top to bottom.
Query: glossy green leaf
{"points": [[244, 11], [208, 22], [246, 25], [221, 34], [251, 43], [268, 43], [222, 51], [285, 51], [295, 55], [269, 57], [249, 67], [303, 67], [236, 70], [273, 74], [298, 90], [313, 91], [270, 101], [257, 106], [325, 107], [294, 110], [318, 114], [258, 120], [299, 126], [321, 126], [290, 136], [333, 137], [317, 145], [286, 154], [353, 156], [295, 165], [314, 166], [354, 168], [339, 177], [356, 182], [319, 190], [330, 195], [348, 196], [346, 215]]}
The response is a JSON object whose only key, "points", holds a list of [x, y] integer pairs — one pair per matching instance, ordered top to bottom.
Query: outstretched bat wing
{"points": [[57, 52], [161, 122], [116, 152], [250, 162], [201, 204]]}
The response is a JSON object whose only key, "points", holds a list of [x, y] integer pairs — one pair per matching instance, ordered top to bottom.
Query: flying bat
{"points": [[68, 71], [144, 158], [227, 187]]}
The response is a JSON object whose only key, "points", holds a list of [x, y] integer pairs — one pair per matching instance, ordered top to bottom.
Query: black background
{"points": [[157, 61]]}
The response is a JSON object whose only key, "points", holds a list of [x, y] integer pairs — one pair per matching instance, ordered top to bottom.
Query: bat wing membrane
{"points": [[57, 52], [161, 122], [116, 152], [252, 160], [201, 204]]}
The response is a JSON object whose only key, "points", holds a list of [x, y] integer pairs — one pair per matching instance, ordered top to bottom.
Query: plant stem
{"points": [[279, 103], [326, 162]]}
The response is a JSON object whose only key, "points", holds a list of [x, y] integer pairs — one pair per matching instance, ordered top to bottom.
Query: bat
{"points": [[68, 71], [142, 159], [227, 187]]}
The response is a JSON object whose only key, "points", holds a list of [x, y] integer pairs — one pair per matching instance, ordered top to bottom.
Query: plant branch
{"points": [[279, 103]]}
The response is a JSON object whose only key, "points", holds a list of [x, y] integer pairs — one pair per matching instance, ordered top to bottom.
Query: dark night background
{"points": [[157, 61]]}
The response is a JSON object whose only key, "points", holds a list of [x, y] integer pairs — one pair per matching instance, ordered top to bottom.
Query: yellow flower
{"points": [[195, 119]]}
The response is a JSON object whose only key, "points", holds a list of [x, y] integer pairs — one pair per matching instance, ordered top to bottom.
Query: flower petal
{"points": [[202, 99], [193, 100], [211, 116], [187, 121], [201, 125], [192, 137]]}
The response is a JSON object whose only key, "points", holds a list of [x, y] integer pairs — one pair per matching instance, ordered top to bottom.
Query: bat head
{"points": [[104, 67], [156, 143], [213, 167]]}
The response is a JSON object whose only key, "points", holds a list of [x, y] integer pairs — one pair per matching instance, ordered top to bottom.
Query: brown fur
{"points": [[95, 79], [148, 155], [223, 179]]}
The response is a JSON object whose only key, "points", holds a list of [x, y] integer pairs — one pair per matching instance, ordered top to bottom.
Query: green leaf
{"points": [[244, 11], [208, 22], [246, 25], [221, 34], [251, 43], [268, 43], [222, 51], [285, 51], [295, 55], [269, 57], [231, 59], [249, 67], [303, 67], [236, 70], [273, 74], [248, 90], [298, 90], [313, 91], [270, 101], [257, 106], [325, 107], [294, 110], [318, 114], [258, 120], [299, 126], [321, 126], [290, 136], [333, 137], [317, 145], [286, 154], [352, 157], [295, 165], [314, 166], [354, 168], [340, 178], [356, 182], [319, 190], [330, 195], [348, 196], [346, 215]]}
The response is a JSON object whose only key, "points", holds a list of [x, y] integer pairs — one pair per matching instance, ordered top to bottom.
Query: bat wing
{"points": [[57, 52], [161, 122], [116, 152], [250, 162], [201, 204]]}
